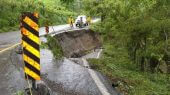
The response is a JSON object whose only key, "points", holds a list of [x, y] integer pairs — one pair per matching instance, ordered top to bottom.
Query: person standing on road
{"points": [[88, 20], [71, 21]]}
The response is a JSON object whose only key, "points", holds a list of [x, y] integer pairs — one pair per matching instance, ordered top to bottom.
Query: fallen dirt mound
{"points": [[77, 43]]}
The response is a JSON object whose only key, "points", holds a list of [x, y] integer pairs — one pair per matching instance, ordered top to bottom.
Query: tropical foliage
{"points": [[50, 11], [140, 26], [136, 35], [55, 47]]}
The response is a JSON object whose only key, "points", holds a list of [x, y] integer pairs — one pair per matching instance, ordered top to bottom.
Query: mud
{"points": [[77, 43]]}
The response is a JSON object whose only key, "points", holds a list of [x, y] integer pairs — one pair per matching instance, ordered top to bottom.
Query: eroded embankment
{"points": [[77, 43], [77, 46]]}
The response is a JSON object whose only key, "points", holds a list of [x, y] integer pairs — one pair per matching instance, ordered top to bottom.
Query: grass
{"points": [[52, 12], [9, 29], [43, 45], [54, 46], [116, 64], [19, 93]]}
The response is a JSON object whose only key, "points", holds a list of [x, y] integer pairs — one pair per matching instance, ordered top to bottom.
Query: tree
{"points": [[143, 23]]}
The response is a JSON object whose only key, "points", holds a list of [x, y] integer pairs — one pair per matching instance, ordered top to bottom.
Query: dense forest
{"points": [[54, 11], [136, 38]]}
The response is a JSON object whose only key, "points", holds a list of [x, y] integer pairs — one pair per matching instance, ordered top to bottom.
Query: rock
{"points": [[42, 89]]}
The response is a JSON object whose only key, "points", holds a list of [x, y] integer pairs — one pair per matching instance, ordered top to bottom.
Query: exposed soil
{"points": [[77, 43]]}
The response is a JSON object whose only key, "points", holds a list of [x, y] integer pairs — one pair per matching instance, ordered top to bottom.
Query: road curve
{"points": [[63, 77]]}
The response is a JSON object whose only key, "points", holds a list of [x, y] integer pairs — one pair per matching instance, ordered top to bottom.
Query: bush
{"points": [[50, 11], [134, 34], [54, 46], [20, 93]]}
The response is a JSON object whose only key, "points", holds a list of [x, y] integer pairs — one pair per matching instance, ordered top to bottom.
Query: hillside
{"points": [[52, 11]]}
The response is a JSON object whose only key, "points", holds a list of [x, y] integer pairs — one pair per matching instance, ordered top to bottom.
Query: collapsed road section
{"points": [[77, 43], [77, 46], [63, 77]]}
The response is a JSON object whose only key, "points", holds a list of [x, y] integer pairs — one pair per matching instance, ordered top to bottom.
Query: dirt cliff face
{"points": [[78, 42]]}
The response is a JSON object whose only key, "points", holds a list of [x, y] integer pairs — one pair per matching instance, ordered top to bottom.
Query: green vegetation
{"points": [[49, 10], [136, 35], [43, 45], [54, 46], [115, 64], [20, 93]]}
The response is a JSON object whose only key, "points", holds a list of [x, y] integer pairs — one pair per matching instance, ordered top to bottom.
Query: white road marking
{"points": [[62, 30], [11, 47], [96, 79]]}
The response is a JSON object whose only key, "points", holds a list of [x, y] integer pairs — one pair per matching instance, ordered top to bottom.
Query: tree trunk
{"points": [[142, 64]]}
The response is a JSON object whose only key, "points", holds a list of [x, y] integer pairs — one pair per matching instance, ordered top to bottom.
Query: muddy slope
{"points": [[78, 42]]}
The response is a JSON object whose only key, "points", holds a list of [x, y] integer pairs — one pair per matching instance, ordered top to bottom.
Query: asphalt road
{"points": [[10, 38], [64, 77], [67, 77]]}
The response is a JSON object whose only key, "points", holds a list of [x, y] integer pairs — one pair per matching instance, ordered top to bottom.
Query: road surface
{"points": [[10, 38], [63, 77], [68, 77]]}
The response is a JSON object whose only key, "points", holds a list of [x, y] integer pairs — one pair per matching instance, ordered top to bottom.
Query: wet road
{"points": [[10, 38], [11, 66], [11, 76], [63, 77], [66, 77], [69, 78]]}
